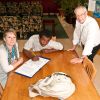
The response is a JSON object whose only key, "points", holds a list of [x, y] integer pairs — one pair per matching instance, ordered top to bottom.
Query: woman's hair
{"points": [[9, 30], [46, 33]]}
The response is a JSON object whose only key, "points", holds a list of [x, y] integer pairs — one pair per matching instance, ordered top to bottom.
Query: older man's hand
{"points": [[76, 60]]}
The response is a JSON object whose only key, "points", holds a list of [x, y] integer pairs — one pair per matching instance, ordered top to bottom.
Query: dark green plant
{"points": [[68, 6]]}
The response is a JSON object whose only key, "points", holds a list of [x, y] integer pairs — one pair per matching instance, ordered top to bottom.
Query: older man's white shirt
{"points": [[88, 34]]}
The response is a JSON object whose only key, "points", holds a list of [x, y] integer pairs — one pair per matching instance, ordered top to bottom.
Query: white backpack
{"points": [[56, 85]]}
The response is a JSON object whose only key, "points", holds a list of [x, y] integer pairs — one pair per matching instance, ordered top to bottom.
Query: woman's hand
{"points": [[20, 60], [16, 63]]}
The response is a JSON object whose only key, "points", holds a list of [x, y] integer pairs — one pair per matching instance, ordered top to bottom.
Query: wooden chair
{"points": [[90, 13], [89, 68], [1, 91]]}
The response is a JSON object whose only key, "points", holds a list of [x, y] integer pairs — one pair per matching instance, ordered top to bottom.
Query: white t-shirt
{"points": [[88, 34], [33, 43]]}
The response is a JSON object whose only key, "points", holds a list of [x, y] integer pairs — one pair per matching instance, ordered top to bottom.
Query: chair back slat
{"points": [[89, 68], [1, 91]]}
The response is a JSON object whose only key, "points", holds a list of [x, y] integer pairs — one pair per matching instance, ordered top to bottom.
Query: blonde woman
{"points": [[9, 55]]}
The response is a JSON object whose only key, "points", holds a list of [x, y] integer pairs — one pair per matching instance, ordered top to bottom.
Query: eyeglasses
{"points": [[80, 15]]}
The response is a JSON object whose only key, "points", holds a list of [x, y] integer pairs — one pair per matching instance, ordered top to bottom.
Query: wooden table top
{"points": [[17, 85]]}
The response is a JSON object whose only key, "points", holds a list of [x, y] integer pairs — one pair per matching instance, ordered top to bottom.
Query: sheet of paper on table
{"points": [[29, 68]]}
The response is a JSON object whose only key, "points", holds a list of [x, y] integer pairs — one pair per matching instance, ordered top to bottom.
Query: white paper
{"points": [[91, 5], [29, 68]]}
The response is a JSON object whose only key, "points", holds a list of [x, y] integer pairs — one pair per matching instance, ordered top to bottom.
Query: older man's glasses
{"points": [[80, 15]]}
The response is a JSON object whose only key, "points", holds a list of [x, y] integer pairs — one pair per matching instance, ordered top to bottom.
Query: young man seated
{"points": [[41, 42]]}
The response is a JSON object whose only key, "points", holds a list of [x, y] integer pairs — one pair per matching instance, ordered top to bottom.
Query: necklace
{"points": [[11, 55]]}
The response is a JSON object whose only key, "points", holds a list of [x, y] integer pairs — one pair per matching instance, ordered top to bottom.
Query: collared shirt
{"points": [[88, 34], [33, 43]]}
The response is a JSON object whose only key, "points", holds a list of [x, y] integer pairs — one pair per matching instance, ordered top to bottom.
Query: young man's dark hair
{"points": [[46, 33]]}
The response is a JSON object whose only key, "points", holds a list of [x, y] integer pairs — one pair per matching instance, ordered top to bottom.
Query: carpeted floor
{"points": [[59, 30]]}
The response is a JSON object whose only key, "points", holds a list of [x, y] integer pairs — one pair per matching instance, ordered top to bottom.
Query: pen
{"points": [[33, 53]]}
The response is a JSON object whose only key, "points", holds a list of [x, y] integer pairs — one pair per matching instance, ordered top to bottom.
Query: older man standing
{"points": [[87, 33]]}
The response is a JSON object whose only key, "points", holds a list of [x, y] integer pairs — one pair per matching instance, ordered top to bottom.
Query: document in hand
{"points": [[29, 68]]}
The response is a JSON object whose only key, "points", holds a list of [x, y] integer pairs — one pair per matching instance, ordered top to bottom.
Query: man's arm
{"points": [[54, 45], [48, 50], [30, 55]]}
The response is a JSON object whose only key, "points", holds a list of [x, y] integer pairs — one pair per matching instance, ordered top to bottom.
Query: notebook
{"points": [[29, 68]]}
